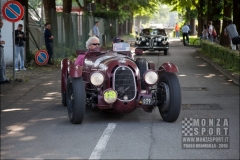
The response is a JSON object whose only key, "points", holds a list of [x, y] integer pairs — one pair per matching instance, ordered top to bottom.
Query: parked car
{"points": [[152, 39], [112, 81]]}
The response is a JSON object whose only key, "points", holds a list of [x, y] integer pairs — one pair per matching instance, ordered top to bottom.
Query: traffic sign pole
{"points": [[13, 11], [13, 28]]}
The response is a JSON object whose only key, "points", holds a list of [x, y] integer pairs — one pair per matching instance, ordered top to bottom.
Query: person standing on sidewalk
{"points": [[96, 30], [177, 30], [185, 30], [231, 30], [210, 31], [49, 42], [19, 47], [3, 78]]}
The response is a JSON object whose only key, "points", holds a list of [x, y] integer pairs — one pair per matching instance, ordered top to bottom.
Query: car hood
{"points": [[105, 61]]}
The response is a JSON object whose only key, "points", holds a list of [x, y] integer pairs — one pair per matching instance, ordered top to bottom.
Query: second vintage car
{"points": [[152, 39], [112, 81]]}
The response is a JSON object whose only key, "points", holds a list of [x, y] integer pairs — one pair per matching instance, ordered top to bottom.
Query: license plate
{"points": [[146, 101]]}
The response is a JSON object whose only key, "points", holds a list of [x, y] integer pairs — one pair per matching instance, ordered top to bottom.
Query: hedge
{"points": [[222, 55]]}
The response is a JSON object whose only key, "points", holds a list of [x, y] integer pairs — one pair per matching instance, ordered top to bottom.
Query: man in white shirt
{"points": [[96, 30], [185, 30], [231, 30]]}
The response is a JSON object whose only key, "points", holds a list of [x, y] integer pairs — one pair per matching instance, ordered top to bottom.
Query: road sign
{"points": [[12, 11], [41, 57]]}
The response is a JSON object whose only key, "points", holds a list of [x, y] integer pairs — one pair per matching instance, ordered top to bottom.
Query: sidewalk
{"points": [[32, 75]]}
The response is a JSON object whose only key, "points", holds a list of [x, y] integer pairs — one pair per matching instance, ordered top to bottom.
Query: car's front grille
{"points": [[151, 42], [124, 83]]}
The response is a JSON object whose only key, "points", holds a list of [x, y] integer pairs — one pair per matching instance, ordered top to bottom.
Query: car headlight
{"points": [[143, 38], [159, 39], [150, 77], [96, 78], [110, 96]]}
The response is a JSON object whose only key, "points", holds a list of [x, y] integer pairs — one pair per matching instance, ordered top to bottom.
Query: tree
{"points": [[67, 8], [227, 12], [236, 13]]}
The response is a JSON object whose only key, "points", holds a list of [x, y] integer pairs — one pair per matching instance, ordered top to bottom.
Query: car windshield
{"points": [[153, 32], [121, 47]]}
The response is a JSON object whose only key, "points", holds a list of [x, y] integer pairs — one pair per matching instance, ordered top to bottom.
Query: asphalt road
{"points": [[34, 124]]}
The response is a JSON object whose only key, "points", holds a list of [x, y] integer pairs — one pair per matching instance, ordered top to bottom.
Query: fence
{"points": [[70, 32]]}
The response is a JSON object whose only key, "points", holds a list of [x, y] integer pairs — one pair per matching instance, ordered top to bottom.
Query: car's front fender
{"points": [[169, 67], [64, 69], [75, 71]]}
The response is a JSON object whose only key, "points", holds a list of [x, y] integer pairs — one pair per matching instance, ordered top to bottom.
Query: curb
{"points": [[224, 71]]}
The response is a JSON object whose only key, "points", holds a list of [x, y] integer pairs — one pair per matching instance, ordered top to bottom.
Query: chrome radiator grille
{"points": [[151, 41], [124, 83]]}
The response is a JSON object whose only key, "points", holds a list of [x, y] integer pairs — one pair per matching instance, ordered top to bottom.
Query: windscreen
{"points": [[121, 47]]}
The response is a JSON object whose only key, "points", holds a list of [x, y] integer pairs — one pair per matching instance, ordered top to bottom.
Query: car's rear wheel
{"points": [[166, 52], [143, 67], [169, 94], [76, 99]]}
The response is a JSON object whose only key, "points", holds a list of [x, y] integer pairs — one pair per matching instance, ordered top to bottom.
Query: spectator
{"points": [[96, 30], [177, 30], [210, 30], [185, 31], [205, 32], [233, 34], [117, 40], [49, 42], [91, 44], [19, 47], [3, 78]]}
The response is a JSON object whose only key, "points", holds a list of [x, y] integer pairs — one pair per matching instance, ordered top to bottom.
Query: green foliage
{"points": [[230, 59]]}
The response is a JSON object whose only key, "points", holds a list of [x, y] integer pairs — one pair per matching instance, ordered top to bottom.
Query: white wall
{"points": [[7, 36]]}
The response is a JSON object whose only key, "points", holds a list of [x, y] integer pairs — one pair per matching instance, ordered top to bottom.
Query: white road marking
{"points": [[100, 147]]}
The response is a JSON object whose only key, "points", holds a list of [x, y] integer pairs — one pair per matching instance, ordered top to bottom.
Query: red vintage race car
{"points": [[112, 81]]}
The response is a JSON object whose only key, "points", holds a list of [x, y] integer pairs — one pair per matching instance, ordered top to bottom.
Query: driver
{"points": [[117, 40], [92, 44]]}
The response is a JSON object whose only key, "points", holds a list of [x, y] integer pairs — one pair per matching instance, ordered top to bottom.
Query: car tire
{"points": [[166, 52], [143, 67], [170, 92], [76, 99]]}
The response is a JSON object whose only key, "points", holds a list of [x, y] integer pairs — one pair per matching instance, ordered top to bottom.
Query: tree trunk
{"points": [[48, 6], [67, 8], [217, 9], [209, 11], [227, 12], [236, 14], [200, 17], [130, 26], [193, 27]]}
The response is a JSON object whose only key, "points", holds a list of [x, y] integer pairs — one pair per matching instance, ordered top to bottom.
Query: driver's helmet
{"points": [[117, 40]]}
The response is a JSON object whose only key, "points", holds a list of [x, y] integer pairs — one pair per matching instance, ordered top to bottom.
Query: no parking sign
{"points": [[12, 11], [41, 57]]}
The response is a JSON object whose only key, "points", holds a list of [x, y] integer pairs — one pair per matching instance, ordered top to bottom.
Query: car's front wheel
{"points": [[169, 96], [76, 99]]}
